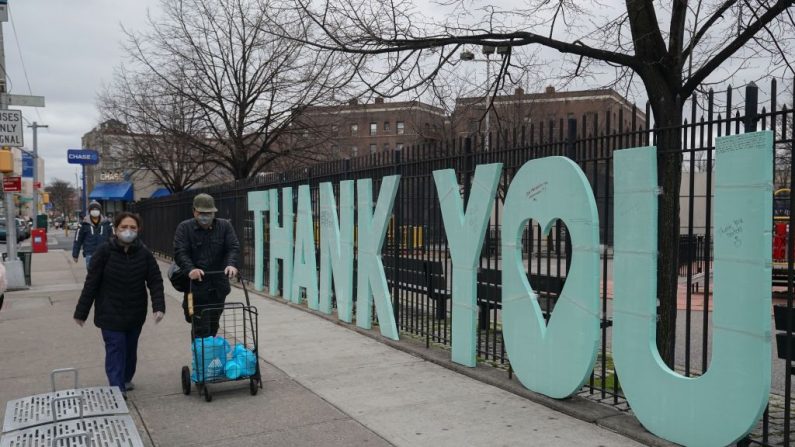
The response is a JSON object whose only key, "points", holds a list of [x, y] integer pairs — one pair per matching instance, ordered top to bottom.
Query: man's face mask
{"points": [[94, 213], [205, 219]]}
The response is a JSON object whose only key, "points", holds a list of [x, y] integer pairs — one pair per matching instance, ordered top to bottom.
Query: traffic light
{"points": [[6, 160], [45, 198]]}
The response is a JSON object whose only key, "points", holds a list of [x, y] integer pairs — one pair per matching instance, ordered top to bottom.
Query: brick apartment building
{"points": [[549, 111], [356, 129]]}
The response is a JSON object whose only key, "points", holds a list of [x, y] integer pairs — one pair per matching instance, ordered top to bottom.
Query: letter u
{"points": [[726, 402]]}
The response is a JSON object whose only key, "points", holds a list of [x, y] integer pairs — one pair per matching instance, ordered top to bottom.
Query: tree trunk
{"points": [[668, 117]]}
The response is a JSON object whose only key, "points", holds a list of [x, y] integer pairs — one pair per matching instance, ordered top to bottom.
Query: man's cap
{"points": [[204, 203], [94, 205]]}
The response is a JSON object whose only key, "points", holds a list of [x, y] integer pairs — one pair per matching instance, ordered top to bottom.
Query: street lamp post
{"points": [[487, 50], [36, 126]]}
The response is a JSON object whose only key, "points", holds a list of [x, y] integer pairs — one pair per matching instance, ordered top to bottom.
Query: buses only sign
{"points": [[11, 128]]}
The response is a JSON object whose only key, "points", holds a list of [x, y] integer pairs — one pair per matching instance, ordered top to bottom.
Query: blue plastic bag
{"points": [[209, 358], [245, 359]]}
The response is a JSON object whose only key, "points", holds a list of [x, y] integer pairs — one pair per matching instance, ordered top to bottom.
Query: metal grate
{"points": [[36, 410], [115, 431]]}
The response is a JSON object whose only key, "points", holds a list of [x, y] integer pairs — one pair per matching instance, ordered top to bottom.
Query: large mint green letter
{"points": [[258, 203], [465, 231], [281, 241], [336, 249], [305, 264], [371, 282], [553, 359], [725, 403]]}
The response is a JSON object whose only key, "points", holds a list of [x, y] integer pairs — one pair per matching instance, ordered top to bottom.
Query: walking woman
{"points": [[116, 283]]}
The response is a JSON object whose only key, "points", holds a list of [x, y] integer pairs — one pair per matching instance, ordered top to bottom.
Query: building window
{"points": [[386, 126], [399, 127], [373, 129], [335, 130], [354, 130], [399, 146], [386, 147], [373, 148], [335, 150], [354, 151]]}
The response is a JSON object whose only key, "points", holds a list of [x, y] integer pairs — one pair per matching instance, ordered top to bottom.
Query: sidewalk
{"points": [[324, 384]]}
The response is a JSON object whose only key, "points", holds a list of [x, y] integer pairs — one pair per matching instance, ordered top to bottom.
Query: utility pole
{"points": [[35, 126], [14, 268]]}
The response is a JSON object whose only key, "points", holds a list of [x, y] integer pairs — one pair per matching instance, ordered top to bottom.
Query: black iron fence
{"points": [[417, 260]]}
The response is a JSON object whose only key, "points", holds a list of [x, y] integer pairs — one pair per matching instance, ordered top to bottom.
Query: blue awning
{"points": [[122, 191], [160, 192]]}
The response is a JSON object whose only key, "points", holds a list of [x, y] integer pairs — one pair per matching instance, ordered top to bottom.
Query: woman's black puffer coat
{"points": [[116, 286]]}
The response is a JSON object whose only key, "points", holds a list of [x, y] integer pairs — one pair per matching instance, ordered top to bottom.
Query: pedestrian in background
{"points": [[94, 231], [206, 244], [3, 284], [116, 286]]}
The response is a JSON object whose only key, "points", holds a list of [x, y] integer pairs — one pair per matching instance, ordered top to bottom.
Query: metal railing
{"points": [[418, 250]]}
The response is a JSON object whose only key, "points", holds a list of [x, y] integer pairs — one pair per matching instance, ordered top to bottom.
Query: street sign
{"points": [[24, 100], [11, 128], [82, 156], [27, 165], [12, 184], [37, 185]]}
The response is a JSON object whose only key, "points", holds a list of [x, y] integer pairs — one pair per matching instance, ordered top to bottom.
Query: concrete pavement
{"points": [[324, 384]]}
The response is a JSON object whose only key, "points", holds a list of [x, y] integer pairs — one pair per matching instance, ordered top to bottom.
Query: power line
{"points": [[21, 59]]}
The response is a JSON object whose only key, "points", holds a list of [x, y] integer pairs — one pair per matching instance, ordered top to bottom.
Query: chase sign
{"points": [[82, 156], [556, 359]]}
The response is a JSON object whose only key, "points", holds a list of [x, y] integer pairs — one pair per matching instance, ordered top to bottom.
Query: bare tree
{"points": [[673, 48], [247, 84], [161, 129], [783, 156], [62, 196]]}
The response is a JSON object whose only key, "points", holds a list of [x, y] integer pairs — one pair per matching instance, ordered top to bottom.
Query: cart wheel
{"points": [[186, 380], [253, 386], [207, 396]]}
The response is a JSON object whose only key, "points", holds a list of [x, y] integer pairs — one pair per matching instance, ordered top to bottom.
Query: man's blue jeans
{"points": [[88, 260]]}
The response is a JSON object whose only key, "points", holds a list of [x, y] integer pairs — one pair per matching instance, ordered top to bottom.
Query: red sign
{"points": [[12, 184], [37, 185]]}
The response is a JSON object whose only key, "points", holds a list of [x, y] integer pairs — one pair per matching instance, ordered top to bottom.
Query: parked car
{"points": [[3, 231]]}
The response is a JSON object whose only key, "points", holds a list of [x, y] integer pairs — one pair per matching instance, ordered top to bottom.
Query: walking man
{"points": [[94, 231], [207, 248]]}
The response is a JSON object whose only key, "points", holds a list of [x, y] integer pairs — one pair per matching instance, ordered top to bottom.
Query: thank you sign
{"points": [[82, 156], [556, 358]]}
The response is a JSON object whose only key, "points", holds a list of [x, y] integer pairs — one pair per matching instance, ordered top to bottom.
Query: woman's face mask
{"points": [[94, 213], [205, 219], [128, 236]]}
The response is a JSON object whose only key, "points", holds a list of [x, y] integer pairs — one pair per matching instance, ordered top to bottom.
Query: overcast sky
{"points": [[70, 49]]}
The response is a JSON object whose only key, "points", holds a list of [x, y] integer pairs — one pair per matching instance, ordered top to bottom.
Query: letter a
{"points": [[465, 232], [304, 261], [371, 281], [554, 359], [725, 403]]}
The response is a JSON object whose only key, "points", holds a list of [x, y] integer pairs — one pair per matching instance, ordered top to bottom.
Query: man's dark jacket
{"points": [[90, 236], [211, 250], [116, 286]]}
